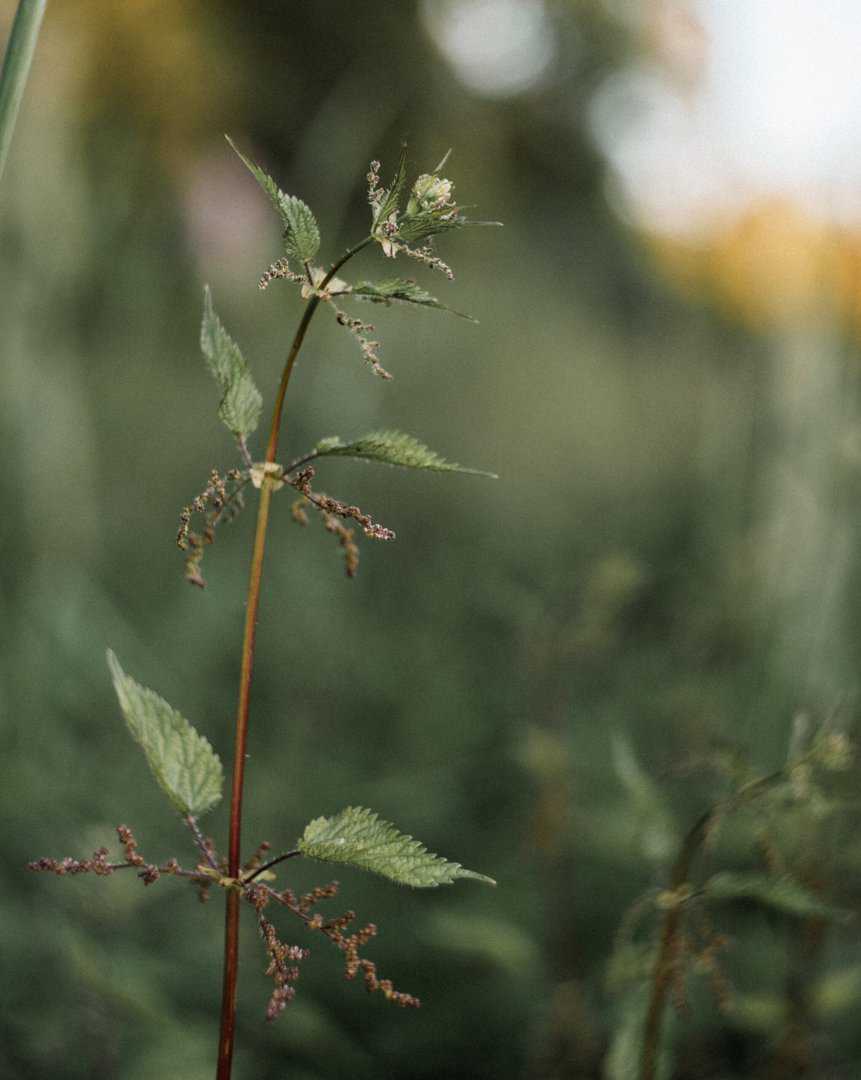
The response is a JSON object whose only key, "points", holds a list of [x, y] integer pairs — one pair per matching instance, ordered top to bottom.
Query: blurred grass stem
{"points": [[16, 68], [231, 924], [670, 939]]}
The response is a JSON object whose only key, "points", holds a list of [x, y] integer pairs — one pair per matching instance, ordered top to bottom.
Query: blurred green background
{"points": [[538, 676]]}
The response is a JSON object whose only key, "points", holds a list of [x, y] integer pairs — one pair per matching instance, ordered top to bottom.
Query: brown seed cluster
{"points": [[375, 192], [429, 258], [279, 269], [359, 330], [220, 500], [332, 512], [345, 536], [100, 865], [334, 929], [284, 959]]}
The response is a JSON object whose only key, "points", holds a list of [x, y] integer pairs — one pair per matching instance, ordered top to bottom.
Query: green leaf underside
{"points": [[425, 224], [301, 231], [402, 291], [241, 401], [393, 448], [181, 759], [358, 837], [779, 893]]}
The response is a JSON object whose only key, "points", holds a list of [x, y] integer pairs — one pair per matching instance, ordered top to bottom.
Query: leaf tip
{"points": [[443, 161], [116, 670], [483, 878]]}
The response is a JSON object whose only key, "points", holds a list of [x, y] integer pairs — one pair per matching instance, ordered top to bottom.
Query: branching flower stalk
{"points": [[181, 759]]}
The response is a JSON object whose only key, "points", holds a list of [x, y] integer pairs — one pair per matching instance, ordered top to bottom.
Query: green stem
{"points": [[16, 68], [231, 924]]}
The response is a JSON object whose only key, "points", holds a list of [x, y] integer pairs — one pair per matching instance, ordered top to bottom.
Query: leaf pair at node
{"points": [[190, 773]]}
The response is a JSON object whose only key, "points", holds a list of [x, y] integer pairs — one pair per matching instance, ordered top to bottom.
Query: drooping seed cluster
{"points": [[280, 269], [369, 348], [302, 482], [221, 500], [332, 511], [349, 944], [284, 959]]}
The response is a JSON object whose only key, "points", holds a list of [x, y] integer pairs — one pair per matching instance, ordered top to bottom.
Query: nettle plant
{"points": [[404, 221], [670, 937]]}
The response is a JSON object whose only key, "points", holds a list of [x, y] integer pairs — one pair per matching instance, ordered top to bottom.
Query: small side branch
{"points": [[204, 845], [268, 865]]}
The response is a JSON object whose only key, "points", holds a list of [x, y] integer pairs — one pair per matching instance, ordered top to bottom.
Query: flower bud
{"points": [[429, 193]]}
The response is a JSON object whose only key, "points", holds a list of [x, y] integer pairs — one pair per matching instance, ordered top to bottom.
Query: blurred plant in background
{"points": [[570, 684]]}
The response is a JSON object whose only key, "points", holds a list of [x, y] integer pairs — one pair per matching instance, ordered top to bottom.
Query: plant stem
{"points": [[16, 68], [272, 447], [252, 605], [665, 962], [662, 976]]}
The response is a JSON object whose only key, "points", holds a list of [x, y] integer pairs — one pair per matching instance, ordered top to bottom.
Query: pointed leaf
{"points": [[392, 195], [301, 231], [403, 291], [241, 401], [392, 448], [181, 759], [357, 837], [781, 893]]}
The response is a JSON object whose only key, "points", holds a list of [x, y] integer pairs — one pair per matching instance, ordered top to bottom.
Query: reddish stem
{"points": [[231, 924]]}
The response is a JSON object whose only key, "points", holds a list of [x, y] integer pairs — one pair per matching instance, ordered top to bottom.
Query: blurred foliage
{"points": [[548, 678]]}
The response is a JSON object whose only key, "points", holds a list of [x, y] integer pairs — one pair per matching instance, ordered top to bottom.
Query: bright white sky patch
{"points": [[497, 48], [778, 110]]}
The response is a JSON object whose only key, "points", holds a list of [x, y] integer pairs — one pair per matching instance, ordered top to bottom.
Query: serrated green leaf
{"points": [[426, 223], [301, 231], [401, 291], [241, 401], [240, 407], [392, 448], [181, 759], [358, 837], [781, 893]]}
